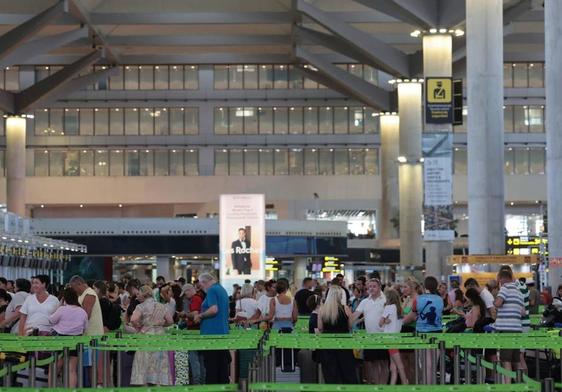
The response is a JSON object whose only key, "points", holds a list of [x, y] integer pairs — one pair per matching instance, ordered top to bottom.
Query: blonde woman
{"points": [[246, 306], [151, 317], [391, 321], [338, 366]]}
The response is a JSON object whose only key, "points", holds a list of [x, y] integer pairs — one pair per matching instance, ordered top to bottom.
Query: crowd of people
{"points": [[94, 308]]}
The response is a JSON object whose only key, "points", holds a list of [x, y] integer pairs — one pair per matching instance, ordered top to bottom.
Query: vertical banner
{"points": [[438, 186], [242, 239]]}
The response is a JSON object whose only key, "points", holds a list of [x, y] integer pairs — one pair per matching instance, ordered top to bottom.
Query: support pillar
{"points": [[437, 62], [553, 81], [389, 129], [15, 164], [410, 174], [486, 210], [165, 267], [299, 270]]}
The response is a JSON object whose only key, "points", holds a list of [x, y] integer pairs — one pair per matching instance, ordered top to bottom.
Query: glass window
{"points": [[356, 69], [40, 74], [370, 75], [507, 75], [520, 75], [536, 75], [266, 76], [131, 77], [146, 77], [161, 77], [176, 77], [191, 77], [221, 77], [235, 77], [250, 77], [281, 77], [295, 78], [12, 79], [115, 81], [103, 84], [310, 84], [41, 118], [265, 118], [508, 118], [521, 118], [340, 119], [356, 119], [236, 120], [281, 120], [295, 120], [311, 120], [325, 120], [371, 120], [71, 121], [101, 121], [116, 121], [131, 121], [147, 121], [161, 121], [176, 121], [191, 121], [221, 121], [250, 121], [56, 122], [86, 122], [536, 122], [462, 127], [357, 161], [371, 161], [508, 161], [521, 161], [537, 161], [116, 162], [146, 162], [191, 162], [221, 162], [235, 162], [266, 162], [281, 162], [310, 162], [326, 162], [341, 162], [41, 163], [56, 163], [72, 163], [87, 163], [161, 163], [176, 163], [251, 163], [296, 163], [101, 164], [132, 164], [460, 165]]}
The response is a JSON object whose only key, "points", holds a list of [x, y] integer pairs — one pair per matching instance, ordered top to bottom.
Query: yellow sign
{"points": [[439, 90], [493, 259]]}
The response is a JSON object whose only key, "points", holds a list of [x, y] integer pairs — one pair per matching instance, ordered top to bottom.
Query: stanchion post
{"points": [[93, 347], [119, 358], [434, 359], [442, 359], [424, 364], [537, 364], [80, 365], [272, 365], [456, 365], [417, 366], [66, 367], [32, 370], [53, 371], [467, 372], [480, 374], [497, 375], [8, 376], [519, 376], [548, 385]]}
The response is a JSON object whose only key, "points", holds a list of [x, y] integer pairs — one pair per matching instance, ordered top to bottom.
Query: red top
{"points": [[194, 306]]}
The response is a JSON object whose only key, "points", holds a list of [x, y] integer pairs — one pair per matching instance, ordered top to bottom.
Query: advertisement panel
{"points": [[438, 187], [242, 239]]}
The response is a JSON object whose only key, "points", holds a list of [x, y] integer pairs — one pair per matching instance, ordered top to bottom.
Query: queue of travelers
{"points": [[94, 308]]}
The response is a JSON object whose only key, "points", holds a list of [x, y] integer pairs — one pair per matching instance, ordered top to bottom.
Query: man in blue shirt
{"points": [[214, 321]]}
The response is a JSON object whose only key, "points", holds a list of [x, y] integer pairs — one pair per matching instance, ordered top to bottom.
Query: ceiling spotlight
{"points": [[433, 31], [442, 31], [415, 33], [402, 159]]}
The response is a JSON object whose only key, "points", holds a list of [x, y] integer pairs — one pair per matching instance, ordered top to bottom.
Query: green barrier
{"points": [[254, 387], [187, 388]]}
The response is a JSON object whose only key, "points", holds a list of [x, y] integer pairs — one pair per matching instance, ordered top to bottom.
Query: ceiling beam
{"points": [[391, 8], [424, 10], [515, 11], [452, 13], [14, 38], [198, 40], [40, 46], [384, 56], [352, 85], [35, 94], [7, 102]]}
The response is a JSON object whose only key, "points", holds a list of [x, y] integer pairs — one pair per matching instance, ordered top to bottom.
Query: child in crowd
{"points": [[391, 321]]}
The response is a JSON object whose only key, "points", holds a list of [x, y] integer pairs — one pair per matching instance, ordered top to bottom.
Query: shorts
{"points": [[391, 352], [376, 355], [510, 355]]}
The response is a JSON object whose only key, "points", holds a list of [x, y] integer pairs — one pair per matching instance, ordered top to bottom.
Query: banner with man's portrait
{"points": [[242, 238]]}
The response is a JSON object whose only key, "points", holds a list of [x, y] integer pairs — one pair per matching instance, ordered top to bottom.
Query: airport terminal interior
{"points": [[281, 195]]}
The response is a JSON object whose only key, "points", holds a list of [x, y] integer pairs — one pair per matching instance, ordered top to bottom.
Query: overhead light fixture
{"points": [[402, 159]]}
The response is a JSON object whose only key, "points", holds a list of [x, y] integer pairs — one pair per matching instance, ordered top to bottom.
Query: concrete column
{"points": [[484, 42], [437, 62], [553, 83], [389, 128], [15, 164], [410, 176], [165, 267], [299, 270]]}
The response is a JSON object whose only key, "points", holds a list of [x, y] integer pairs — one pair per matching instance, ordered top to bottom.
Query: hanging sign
{"points": [[438, 100]]}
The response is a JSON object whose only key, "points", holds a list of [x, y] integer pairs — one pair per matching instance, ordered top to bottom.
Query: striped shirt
{"points": [[509, 314], [525, 320]]}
